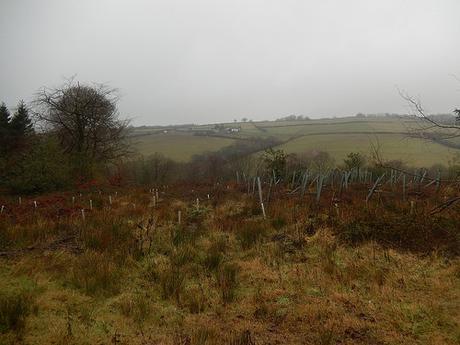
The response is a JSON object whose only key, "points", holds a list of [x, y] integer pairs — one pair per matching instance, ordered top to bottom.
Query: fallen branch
{"points": [[445, 205]]}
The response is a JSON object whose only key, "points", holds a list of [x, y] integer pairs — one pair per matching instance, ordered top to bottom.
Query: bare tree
{"points": [[85, 119], [433, 127]]}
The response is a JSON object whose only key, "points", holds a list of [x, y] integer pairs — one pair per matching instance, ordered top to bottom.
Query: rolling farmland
{"points": [[338, 137]]}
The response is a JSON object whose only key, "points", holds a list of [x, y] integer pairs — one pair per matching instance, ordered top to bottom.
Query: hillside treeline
{"points": [[72, 136]]}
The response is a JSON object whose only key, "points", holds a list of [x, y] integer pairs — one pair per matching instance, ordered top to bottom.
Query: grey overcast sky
{"points": [[202, 61]]}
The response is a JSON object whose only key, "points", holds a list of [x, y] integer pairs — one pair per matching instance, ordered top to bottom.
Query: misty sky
{"points": [[202, 61]]}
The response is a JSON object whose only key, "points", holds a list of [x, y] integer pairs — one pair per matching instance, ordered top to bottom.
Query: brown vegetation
{"points": [[341, 271]]}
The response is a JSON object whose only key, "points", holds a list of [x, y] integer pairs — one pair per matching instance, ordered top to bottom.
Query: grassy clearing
{"points": [[306, 275]]}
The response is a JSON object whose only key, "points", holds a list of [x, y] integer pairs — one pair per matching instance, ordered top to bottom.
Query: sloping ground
{"points": [[336, 136], [177, 146], [414, 152], [226, 275]]}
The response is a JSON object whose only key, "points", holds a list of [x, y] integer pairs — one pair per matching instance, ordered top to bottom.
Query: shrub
{"points": [[43, 168], [197, 215], [278, 223], [402, 230], [251, 233], [181, 234], [111, 235], [215, 253], [183, 255], [328, 257], [213, 259], [95, 273], [172, 280], [227, 281], [194, 299], [16, 303], [135, 306], [205, 336], [243, 338]]}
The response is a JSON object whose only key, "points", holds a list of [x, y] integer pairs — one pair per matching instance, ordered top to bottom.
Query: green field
{"points": [[338, 137], [178, 146], [414, 152]]}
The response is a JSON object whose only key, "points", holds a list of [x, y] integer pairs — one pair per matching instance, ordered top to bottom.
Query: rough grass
{"points": [[304, 276], [17, 301]]}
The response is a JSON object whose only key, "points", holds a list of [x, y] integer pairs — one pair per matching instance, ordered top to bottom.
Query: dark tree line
{"points": [[14, 130], [78, 134]]}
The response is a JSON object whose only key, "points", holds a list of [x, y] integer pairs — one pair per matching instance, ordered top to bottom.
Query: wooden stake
{"points": [[438, 180], [304, 184], [319, 187], [374, 187], [404, 187], [270, 190], [261, 197], [336, 206]]}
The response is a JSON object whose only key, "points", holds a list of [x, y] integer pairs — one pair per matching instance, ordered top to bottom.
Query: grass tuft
{"points": [[227, 281]]}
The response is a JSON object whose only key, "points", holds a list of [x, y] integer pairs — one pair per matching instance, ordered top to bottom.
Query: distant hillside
{"points": [[336, 136]]}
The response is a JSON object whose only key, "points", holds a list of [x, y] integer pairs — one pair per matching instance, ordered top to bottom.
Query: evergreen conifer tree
{"points": [[21, 124], [5, 128]]}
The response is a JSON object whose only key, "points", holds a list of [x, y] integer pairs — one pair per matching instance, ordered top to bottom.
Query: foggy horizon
{"points": [[177, 62]]}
